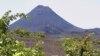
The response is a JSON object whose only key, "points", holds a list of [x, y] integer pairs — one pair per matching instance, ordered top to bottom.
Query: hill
{"points": [[44, 19]]}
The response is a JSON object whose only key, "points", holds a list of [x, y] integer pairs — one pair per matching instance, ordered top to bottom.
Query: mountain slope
{"points": [[44, 19], [95, 30]]}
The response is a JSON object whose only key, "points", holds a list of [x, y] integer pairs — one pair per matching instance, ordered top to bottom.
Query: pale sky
{"points": [[81, 13]]}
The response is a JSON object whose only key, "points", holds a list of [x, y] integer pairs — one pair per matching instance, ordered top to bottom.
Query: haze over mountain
{"points": [[44, 19]]}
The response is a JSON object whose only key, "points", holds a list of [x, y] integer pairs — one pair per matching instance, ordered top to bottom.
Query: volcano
{"points": [[44, 19]]}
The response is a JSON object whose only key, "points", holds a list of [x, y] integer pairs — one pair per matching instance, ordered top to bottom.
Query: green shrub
{"points": [[12, 47], [79, 47]]}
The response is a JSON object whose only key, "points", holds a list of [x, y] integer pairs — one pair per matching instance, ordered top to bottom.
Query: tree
{"points": [[7, 18], [12, 47], [79, 47]]}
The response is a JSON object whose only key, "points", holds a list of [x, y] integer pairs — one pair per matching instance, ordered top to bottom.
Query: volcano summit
{"points": [[44, 19]]}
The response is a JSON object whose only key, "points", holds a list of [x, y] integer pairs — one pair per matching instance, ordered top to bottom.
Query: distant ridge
{"points": [[44, 19], [95, 30]]}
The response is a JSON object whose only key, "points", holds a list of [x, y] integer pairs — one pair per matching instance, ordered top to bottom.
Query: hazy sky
{"points": [[81, 13]]}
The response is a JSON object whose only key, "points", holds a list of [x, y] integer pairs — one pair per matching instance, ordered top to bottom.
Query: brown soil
{"points": [[51, 46]]}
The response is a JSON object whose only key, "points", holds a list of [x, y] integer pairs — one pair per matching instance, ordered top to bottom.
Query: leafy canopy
{"points": [[9, 46]]}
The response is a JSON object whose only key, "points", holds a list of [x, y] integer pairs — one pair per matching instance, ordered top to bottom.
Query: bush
{"points": [[11, 47], [79, 47]]}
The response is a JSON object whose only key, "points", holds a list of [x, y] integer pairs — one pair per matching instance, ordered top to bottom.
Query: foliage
{"points": [[6, 18], [25, 33], [12, 47], [79, 47]]}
